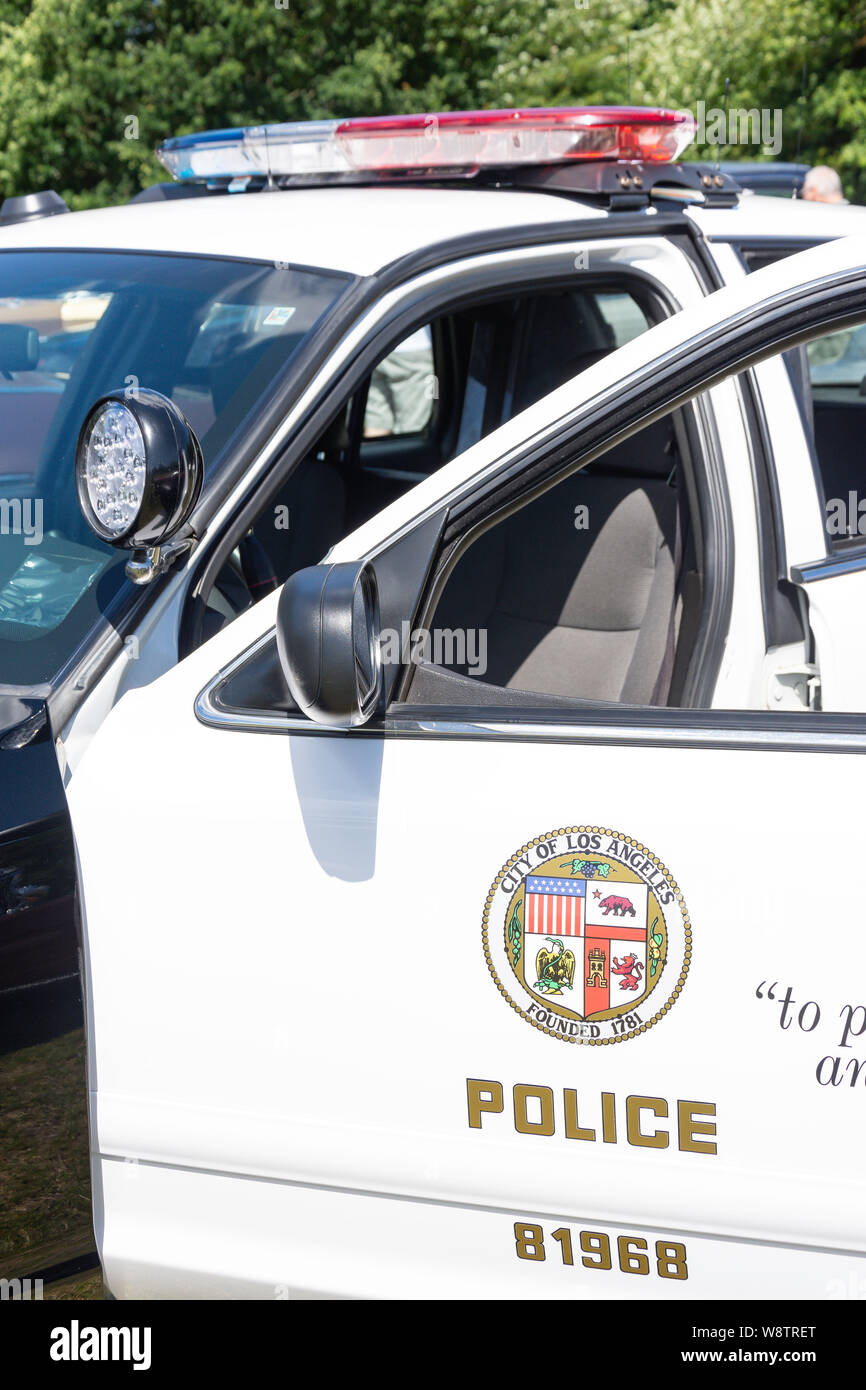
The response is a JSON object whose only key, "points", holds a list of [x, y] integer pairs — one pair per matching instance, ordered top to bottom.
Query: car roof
{"points": [[774, 219], [360, 230]]}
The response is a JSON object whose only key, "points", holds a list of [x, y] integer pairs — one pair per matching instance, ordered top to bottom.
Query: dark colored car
{"points": [[774, 180]]}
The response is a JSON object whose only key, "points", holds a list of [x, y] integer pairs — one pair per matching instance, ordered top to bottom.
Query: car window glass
{"points": [[757, 257], [624, 315], [213, 334], [839, 359], [837, 373], [402, 389], [588, 592]]}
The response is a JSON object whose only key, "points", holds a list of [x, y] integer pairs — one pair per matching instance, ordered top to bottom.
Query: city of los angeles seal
{"points": [[587, 935]]}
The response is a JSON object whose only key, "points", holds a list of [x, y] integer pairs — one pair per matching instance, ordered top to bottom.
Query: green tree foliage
{"points": [[807, 61], [88, 88]]}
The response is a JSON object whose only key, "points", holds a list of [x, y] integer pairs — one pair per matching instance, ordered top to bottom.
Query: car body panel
{"points": [[759, 218], [305, 227]]}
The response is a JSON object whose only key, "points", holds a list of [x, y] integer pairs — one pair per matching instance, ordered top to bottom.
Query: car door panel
{"points": [[342, 999], [284, 1241]]}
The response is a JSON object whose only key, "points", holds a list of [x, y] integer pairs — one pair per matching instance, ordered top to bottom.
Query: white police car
{"points": [[337, 309], [534, 770]]}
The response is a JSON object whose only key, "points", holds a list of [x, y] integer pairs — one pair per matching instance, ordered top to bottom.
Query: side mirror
{"points": [[19, 348], [138, 471], [328, 641]]}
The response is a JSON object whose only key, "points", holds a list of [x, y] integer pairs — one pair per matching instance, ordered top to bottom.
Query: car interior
{"points": [[483, 364], [594, 590], [590, 592]]}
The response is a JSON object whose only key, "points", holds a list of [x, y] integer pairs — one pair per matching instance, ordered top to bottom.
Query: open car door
{"points": [[492, 941]]}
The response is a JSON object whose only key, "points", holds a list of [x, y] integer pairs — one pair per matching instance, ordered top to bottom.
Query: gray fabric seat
{"points": [[579, 613]]}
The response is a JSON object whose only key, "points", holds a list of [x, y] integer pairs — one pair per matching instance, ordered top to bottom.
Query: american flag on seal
{"points": [[555, 906]]}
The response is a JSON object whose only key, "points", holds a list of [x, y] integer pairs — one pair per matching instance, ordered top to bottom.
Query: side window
{"points": [[756, 257], [624, 316], [839, 359], [837, 376], [452, 382], [402, 389], [591, 591]]}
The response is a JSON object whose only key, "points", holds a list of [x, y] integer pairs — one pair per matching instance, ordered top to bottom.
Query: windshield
{"points": [[211, 334]]}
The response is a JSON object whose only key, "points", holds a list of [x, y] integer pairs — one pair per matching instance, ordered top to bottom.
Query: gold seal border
{"points": [[626, 840]]}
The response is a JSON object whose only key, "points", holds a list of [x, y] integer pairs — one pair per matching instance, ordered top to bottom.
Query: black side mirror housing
{"points": [[328, 641]]}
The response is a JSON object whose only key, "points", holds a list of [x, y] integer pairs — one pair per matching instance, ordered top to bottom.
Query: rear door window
{"points": [[837, 377], [451, 382]]}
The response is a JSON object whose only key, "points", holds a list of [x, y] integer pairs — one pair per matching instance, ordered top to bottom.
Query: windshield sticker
{"points": [[277, 317], [587, 935]]}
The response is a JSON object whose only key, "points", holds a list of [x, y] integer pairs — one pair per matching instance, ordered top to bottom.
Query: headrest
{"points": [[565, 335]]}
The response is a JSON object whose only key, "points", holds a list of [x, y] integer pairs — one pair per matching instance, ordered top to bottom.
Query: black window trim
{"points": [[776, 246]]}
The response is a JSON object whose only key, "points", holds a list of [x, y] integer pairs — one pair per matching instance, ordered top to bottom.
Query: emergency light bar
{"points": [[457, 141]]}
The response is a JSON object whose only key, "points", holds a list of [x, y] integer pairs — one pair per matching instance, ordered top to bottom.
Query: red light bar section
{"points": [[473, 139]]}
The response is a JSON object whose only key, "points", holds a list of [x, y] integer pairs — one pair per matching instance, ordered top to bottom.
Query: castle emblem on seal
{"points": [[586, 934]]}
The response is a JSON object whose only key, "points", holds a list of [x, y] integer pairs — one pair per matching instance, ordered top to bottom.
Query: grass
{"points": [[45, 1214], [79, 1287]]}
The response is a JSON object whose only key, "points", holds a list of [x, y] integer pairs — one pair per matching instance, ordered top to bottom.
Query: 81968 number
{"points": [[595, 1251]]}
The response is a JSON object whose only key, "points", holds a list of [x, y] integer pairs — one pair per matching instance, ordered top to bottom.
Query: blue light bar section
{"points": [[293, 147]]}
